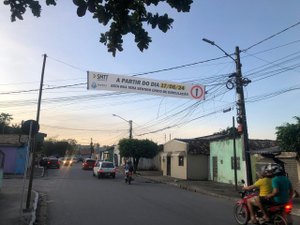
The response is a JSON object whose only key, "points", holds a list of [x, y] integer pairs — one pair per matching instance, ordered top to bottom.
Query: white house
{"points": [[186, 159]]}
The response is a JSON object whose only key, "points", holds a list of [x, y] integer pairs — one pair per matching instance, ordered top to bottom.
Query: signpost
{"points": [[112, 82]]}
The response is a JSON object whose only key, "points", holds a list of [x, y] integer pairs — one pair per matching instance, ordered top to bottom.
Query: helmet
{"points": [[276, 168], [266, 171]]}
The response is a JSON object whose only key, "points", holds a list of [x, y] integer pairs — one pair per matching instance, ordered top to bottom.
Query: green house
{"points": [[221, 161]]}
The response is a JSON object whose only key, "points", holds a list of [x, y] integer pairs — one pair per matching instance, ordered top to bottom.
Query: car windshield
{"points": [[90, 161], [107, 165]]}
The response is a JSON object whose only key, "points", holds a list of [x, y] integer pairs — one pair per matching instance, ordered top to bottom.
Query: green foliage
{"points": [[126, 16], [5, 119], [230, 131], [288, 136], [52, 147], [136, 149]]}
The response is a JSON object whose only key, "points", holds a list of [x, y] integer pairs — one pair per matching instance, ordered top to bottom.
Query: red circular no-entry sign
{"points": [[197, 92]]}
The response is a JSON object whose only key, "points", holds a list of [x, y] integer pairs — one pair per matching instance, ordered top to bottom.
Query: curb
{"points": [[35, 204]]}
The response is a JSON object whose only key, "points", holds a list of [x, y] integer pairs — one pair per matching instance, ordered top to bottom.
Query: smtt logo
{"points": [[101, 77]]}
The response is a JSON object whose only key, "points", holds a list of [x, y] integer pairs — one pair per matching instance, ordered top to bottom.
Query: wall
{"points": [[172, 148], [223, 150], [2, 158], [14, 159], [150, 164], [197, 167], [292, 167], [176, 170]]}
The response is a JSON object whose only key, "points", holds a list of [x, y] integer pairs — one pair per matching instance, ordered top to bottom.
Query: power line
{"points": [[272, 36], [47, 88]]}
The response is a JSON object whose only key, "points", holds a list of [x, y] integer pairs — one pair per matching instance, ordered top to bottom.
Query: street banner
{"points": [[121, 83]]}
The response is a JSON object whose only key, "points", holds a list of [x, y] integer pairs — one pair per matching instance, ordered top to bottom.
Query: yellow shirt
{"points": [[264, 185]]}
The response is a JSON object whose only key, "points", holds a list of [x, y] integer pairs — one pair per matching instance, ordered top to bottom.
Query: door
{"points": [[168, 166], [215, 168]]}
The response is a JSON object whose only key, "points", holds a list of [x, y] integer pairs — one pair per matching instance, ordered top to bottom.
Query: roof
{"points": [[13, 140], [259, 145], [197, 146], [270, 150]]}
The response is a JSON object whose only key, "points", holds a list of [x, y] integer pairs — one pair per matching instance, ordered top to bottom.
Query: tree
{"points": [[124, 17], [5, 119], [230, 131], [288, 136], [72, 146], [52, 147], [137, 149]]}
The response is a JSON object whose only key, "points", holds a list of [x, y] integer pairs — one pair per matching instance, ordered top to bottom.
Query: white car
{"points": [[104, 169]]}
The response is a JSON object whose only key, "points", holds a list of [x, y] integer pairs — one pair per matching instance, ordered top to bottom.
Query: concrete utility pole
{"points": [[239, 82], [241, 113], [130, 124], [130, 129], [34, 146]]}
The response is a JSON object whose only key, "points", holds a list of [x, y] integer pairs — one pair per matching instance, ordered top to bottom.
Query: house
{"points": [[14, 152], [104, 153], [186, 158], [222, 158]]}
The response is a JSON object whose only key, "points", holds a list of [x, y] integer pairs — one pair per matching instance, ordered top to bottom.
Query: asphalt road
{"points": [[75, 197]]}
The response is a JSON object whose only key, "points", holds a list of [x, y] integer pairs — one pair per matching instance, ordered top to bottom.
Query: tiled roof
{"points": [[255, 144], [197, 146]]}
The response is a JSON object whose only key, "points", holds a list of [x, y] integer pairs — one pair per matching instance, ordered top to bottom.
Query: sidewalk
{"points": [[205, 187], [11, 212]]}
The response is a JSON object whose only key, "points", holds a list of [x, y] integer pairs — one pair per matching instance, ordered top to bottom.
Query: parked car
{"points": [[67, 162], [53, 163], [88, 164], [104, 169]]}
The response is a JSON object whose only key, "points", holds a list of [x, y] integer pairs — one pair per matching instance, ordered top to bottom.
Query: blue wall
{"points": [[15, 157]]}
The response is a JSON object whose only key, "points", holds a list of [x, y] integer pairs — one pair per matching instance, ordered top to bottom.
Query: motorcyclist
{"points": [[128, 167], [264, 184], [282, 187]]}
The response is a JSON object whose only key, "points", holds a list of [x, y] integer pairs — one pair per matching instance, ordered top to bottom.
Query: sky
{"points": [[263, 30]]}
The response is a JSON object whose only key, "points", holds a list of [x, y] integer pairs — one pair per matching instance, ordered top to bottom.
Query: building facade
{"points": [[186, 159]]}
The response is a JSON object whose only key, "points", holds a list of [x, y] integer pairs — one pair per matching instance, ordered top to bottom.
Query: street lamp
{"points": [[240, 82], [128, 121]]}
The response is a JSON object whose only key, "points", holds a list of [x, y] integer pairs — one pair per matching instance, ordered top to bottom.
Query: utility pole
{"points": [[239, 82], [241, 114], [130, 124], [130, 129], [34, 146], [234, 153]]}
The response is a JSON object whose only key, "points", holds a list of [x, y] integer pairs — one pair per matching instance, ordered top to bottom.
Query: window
{"points": [[180, 160], [238, 163]]}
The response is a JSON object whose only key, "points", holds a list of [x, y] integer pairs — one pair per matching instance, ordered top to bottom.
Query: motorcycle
{"points": [[128, 177], [278, 214]]}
